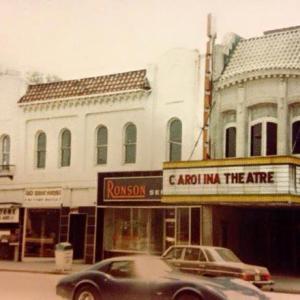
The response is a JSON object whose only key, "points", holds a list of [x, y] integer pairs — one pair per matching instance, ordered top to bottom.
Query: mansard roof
{"points": [[274, 51], [106, 84]]}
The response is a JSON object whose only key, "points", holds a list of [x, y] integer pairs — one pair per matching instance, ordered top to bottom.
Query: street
{"points": [[33, 286]]}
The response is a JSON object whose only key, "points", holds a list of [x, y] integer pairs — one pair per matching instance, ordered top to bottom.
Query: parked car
{"points": [[214, 262], [149, 278]]}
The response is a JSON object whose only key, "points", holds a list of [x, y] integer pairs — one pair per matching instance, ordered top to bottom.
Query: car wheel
{"points": [[87, 292], [188, 296]]}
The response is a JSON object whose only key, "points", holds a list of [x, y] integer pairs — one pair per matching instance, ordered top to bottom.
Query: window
{"points": [[296, 138], [175, 139], [230, 139], [263, 139], [130, 144], [102, 145], [5, 150], [41, 150], [65, 155], [174, 253], [192, 254], [122, 269]]}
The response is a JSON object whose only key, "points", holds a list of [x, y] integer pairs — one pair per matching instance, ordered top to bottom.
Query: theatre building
{"points": [[249, 188]]}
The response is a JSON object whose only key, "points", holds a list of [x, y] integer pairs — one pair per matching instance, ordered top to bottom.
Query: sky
{"points": [[84, 38]]}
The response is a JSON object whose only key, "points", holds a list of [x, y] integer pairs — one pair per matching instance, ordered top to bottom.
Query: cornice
{"points": [[240, 79], [86, 100]]}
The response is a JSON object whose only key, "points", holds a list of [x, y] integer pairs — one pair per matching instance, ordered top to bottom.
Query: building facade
{"points": [[56, 137], [250, 187]]}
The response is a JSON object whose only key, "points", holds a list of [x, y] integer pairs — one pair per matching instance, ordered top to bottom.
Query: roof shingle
{"points": [[275, 50], [112, 83]]}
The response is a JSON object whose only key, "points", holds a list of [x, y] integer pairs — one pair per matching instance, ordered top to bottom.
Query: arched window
{"points": [[296, 137], [102, 138], [263, 139], [175, 140], [230, 142], [130, 144], [5, 150], [41, 150], [65, 151]]}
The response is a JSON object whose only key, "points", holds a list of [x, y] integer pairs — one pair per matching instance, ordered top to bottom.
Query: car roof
{"points": [[197, 247]]}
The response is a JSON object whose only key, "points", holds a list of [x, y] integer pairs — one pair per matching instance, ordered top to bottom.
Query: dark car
{"points": [[215, 261], [149, 278]]}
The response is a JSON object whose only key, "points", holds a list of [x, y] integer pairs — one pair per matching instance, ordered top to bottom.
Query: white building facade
{"points": [[62, 134]]}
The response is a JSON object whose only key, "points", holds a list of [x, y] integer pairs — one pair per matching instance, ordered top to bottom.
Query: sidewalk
{"points": [[47, 267], [283, 284]]}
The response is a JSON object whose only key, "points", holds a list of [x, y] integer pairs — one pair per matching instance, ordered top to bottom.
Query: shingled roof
{"points": [[275, 50], [105, 84]]}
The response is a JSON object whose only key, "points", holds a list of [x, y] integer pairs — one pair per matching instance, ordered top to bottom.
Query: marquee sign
{"points": [[248, 179], [44, 197], [9, 215]]}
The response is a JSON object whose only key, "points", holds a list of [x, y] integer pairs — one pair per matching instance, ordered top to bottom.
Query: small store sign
{"points": [[132, 188], [45, 197], [9, 215]]}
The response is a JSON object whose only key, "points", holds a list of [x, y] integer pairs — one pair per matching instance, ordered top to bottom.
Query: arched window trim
{"points": [[264, 122], [229, 125], [174, 142], [131, 145], [99, 146], [64, 150], [5, 152], [39, 152]]}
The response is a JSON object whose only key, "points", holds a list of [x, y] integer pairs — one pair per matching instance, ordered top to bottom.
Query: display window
{"points": [[134, 230], [41, 235]]}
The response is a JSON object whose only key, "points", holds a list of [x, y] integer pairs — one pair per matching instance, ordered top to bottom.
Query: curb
{"points": [[54, 272]]}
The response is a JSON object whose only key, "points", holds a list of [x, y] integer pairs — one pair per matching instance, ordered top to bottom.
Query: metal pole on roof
{"points": [[208, 84]]}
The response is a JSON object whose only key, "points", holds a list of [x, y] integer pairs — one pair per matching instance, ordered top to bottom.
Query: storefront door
{"points": [[77, 234]]}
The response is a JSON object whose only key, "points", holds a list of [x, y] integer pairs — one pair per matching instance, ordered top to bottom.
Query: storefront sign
{"points": [[269, 179], [132, 188], [51, 197], [9, 215]]}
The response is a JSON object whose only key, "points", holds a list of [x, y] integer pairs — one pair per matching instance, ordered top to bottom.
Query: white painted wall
{"points": [[176, 92]]}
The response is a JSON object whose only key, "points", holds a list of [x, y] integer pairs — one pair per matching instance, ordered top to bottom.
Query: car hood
{"points": [[228, 288]]}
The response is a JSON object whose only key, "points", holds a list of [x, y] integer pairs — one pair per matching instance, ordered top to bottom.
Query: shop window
{"points": [[102, 138], [271, 138], [296, 138], [256, 139], [175, 140], [230, 140], [130, 144], [41, 150], [65, 150], [5, 151], [195, 225], [183, 226], [42, 228], [133, 229]]}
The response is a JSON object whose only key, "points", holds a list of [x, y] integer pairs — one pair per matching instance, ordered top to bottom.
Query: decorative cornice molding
{"points": [[255, 75], [63, 103]]}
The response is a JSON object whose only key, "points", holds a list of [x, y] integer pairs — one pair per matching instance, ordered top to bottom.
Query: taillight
{"points": [[248, 276], [265, 277]]}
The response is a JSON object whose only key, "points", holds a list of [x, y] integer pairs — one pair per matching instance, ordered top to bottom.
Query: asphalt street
{"points": [[30, 286]]}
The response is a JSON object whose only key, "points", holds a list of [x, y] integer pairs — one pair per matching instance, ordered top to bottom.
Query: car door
{"points": [[194, 261], [123, 284]]}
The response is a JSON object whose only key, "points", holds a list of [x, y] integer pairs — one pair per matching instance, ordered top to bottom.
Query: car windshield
{"points": [[223, 254], [152, 266]]}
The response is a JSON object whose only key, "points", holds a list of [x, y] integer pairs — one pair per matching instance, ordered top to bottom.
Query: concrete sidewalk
{"points": [[283, 284]]}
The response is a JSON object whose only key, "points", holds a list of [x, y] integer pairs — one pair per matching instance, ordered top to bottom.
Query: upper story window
{"points": [[296, 137], [102, 138], [263, 139], [175, 140], [230, 142], [130, 144], [5, 150], [41, 150], [65, 150]]}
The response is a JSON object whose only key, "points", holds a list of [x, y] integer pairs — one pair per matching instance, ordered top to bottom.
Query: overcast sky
{"points": [[82, 38]]}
